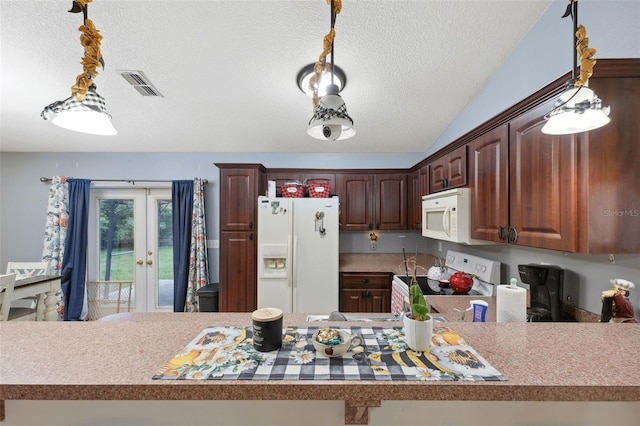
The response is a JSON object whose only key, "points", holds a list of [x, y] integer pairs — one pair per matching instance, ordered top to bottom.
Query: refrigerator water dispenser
{"points": [[274, 261]]}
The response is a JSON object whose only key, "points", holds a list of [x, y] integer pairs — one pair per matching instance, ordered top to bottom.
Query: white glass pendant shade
{"points": [[578, 109], [89, 116], [330, 120], [92, 122]]}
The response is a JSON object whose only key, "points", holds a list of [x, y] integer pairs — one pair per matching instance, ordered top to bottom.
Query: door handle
{"points": [[446, 221], [140, 262], [149, 262]]}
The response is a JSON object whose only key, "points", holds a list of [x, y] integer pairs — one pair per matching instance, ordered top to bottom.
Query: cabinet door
{"points": [[456, 168], [449, 171], [488, 173], [437, 175], [543, 178], [424, 182], [238, 189], [356, 201], [391, 201], [414, 203], [238, 291], [352, 300], [379, 301]]}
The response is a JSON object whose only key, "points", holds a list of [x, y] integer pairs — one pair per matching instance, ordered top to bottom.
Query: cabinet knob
{"points": [[251, 225], [378, 225], [371, 226], [502, 234], [513, 234], [251, 236], [365, 280], [364, 294]]}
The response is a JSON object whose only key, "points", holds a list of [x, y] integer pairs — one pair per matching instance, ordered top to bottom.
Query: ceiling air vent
{"points": [[140, 82]]}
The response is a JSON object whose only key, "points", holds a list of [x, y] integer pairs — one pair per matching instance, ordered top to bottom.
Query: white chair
{"points": [[26, 270], [7, 313]]}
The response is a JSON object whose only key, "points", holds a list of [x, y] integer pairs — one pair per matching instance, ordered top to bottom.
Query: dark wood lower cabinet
{"points": [[238, 276], [365, 292]]}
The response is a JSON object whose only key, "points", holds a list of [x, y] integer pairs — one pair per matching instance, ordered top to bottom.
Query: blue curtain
{"points": [[182, 201], [74, 262]]}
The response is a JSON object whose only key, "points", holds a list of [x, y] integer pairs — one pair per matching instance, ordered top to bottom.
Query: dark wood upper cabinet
{"points": [[448, 171], [488, 176], [543, 184], [240, 186], [356, 192], [391, 201], [414, 201], [369, 202]]}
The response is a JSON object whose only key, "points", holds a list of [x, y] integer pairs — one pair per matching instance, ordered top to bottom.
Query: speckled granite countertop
{"points": [[382, 262], [116, 359]]}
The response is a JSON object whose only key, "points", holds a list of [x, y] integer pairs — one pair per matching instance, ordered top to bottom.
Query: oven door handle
{"points": [[446, 221]]}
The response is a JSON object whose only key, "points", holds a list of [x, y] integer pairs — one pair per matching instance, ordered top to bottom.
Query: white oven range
{"points": [[486, 275]]}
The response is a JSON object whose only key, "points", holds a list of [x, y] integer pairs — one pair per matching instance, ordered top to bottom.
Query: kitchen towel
{"points": [[511, 304]]}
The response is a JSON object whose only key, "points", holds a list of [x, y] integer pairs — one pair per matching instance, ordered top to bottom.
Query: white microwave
{"points": [[446, 216]]}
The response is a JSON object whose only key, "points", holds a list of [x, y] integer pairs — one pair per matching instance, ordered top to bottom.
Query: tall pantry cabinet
{"points": [[240, 185]]}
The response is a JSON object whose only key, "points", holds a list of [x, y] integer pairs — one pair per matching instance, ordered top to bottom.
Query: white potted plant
{"points": [[418, 324]]}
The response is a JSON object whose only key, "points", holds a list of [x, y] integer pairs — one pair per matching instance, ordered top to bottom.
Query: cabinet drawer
{"points": [[365, 280]]}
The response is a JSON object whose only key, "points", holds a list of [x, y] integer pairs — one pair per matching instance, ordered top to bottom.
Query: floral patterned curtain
{"points": [[55, 231], [198, 259]]}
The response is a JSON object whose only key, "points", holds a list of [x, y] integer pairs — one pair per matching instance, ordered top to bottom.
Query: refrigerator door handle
{"points": [[289, 263], [294, 268]]}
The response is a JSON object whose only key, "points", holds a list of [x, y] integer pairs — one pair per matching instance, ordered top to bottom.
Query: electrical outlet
{"points": [[213, 244], [439, 245], [374, 246]]}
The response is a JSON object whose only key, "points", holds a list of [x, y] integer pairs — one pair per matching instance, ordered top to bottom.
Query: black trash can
{"points": [[208, 297]]}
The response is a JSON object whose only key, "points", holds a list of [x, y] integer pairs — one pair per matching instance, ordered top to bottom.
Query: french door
{"points": [[131, 240]]}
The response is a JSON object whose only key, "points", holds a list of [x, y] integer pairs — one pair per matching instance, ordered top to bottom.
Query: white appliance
{"points": [[446, 216], [298, 254], [486, 275]]}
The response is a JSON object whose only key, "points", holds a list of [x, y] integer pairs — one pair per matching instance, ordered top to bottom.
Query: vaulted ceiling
{"points": [[227, 70]]}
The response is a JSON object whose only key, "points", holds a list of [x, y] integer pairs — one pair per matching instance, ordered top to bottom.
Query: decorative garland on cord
{"points": [[90, 39], [327, 47], [586, 61]]}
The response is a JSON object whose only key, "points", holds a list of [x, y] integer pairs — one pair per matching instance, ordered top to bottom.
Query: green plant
{"points": [[419, 305]]}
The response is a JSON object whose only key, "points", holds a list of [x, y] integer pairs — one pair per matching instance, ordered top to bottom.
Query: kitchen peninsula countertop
{"points": [[115, 359]]}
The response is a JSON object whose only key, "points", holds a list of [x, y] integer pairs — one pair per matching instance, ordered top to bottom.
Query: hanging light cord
{"points": [[90, 39], [581, 43], [327, 47]]}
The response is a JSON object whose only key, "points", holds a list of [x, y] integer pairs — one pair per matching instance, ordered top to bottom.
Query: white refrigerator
{"points": [[298, 254]]}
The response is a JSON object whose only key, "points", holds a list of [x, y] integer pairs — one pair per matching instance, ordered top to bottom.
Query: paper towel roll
{"points": [[511, 304]]}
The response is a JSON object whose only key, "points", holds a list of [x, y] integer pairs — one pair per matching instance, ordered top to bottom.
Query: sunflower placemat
{"points": [[227, 353]]}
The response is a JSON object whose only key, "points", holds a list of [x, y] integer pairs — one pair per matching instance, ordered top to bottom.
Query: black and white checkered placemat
{"points": [[227, 353]]}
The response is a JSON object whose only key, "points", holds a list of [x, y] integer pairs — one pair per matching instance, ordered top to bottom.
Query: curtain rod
{"points": [[131, 181]]}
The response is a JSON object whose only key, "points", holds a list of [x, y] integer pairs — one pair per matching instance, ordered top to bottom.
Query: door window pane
{"points": [[164, 249]]}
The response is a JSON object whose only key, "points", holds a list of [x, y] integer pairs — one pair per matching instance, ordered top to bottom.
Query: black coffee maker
{"points": [[545, 286]]}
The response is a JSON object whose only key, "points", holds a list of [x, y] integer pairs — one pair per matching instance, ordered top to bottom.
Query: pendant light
{"points": [[578, 109], [84, 111], [330, 120]]}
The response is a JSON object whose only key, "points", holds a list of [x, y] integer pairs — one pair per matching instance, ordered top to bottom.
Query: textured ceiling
{"points": [[227, 70]]}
